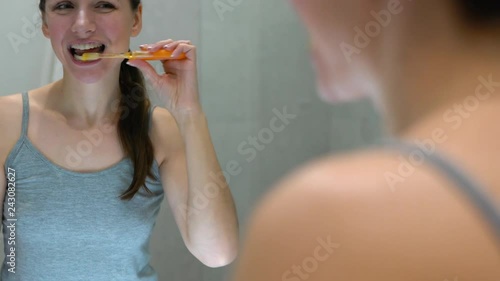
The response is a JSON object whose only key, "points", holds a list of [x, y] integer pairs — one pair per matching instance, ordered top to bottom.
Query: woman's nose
{"points": [[84, 23]]}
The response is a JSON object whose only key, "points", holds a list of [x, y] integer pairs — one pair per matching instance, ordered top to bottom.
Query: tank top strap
{"points": [[26, 114], [150, 116], [465, 184]]}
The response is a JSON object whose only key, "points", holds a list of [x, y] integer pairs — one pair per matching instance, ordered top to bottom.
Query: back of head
{"points": [[481, 11]]}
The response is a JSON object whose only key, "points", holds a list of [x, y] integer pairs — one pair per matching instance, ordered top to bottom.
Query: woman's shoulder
{"points": [[10, 100], [11, 106], [11, 110], [164, 133], [340, 174], [382, 182], [348, 201]]}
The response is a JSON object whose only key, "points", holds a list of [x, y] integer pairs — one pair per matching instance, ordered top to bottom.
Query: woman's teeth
{"points": [[88, 46], [79, 49]]}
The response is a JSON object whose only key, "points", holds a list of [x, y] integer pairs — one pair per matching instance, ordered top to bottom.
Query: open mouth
{"points": [[79, 49]]}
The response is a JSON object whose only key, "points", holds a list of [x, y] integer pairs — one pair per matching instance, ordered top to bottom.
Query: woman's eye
{"points": [[63, 6], [105, 6]]}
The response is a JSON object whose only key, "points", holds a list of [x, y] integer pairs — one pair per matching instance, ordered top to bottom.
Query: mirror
{"points": [[257, 89]]}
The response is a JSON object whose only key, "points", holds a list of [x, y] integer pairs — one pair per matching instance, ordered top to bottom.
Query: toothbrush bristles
{"points": [[90, 56]]}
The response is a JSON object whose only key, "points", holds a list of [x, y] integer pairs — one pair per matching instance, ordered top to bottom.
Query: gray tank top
{"points": [[489, 209], [60, 224]]}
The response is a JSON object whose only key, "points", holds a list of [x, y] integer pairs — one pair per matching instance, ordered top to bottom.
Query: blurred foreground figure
{"points": [[432, 68]]}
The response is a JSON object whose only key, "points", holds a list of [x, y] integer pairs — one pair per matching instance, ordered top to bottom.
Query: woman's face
{"points": [[75, 25], [342, 60]]}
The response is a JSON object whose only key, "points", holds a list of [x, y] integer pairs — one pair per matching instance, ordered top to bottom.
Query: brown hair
{"points": [[481, 11], [133, 127]]}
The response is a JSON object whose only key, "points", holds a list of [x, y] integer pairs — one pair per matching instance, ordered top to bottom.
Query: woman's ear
{"points": [[137, 27], [45, 28]]}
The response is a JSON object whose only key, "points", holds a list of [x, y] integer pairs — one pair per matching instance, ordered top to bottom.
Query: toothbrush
{"points": [[142, 55]]}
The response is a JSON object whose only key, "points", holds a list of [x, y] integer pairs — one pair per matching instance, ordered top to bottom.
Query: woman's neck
{"points": [[442, 84], [87, 104]]}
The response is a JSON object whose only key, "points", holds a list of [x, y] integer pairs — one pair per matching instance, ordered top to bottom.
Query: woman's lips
{"points": [[73, 52]]}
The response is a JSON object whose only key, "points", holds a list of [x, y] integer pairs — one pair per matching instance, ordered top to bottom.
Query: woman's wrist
{"points": [[189, 118]]}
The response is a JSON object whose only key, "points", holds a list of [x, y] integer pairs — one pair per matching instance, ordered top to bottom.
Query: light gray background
{"points": [[253, 59]]}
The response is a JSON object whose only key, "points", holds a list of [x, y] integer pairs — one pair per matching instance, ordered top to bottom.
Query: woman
{"points": [[87, 166], [383, 213]]}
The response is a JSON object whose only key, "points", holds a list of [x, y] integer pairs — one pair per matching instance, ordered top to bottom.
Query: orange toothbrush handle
{"points": [[158, 55]]}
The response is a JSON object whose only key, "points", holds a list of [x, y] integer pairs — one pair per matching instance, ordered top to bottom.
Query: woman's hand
{"points": [[177, 88]]}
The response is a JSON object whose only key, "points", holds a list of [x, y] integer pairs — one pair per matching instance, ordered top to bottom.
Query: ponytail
{"points": [[133, 127]]}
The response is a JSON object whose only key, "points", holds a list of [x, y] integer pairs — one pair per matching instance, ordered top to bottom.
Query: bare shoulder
{"points": [[10, 105], [10, 122], [164, 133], [339, 175], [342, 218]]}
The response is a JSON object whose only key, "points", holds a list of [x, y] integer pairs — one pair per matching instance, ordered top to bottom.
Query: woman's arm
{"points": [[197, 190], [200, 198]]}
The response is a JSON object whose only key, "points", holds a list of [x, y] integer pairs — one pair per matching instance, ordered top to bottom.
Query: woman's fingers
{"points": [[165, 44], [174, 45], [154, 47], [188, 50], [170, 66]]}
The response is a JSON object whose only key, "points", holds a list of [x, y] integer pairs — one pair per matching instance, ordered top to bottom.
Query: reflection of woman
{"points": [[87, 173], [380, 214]]}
